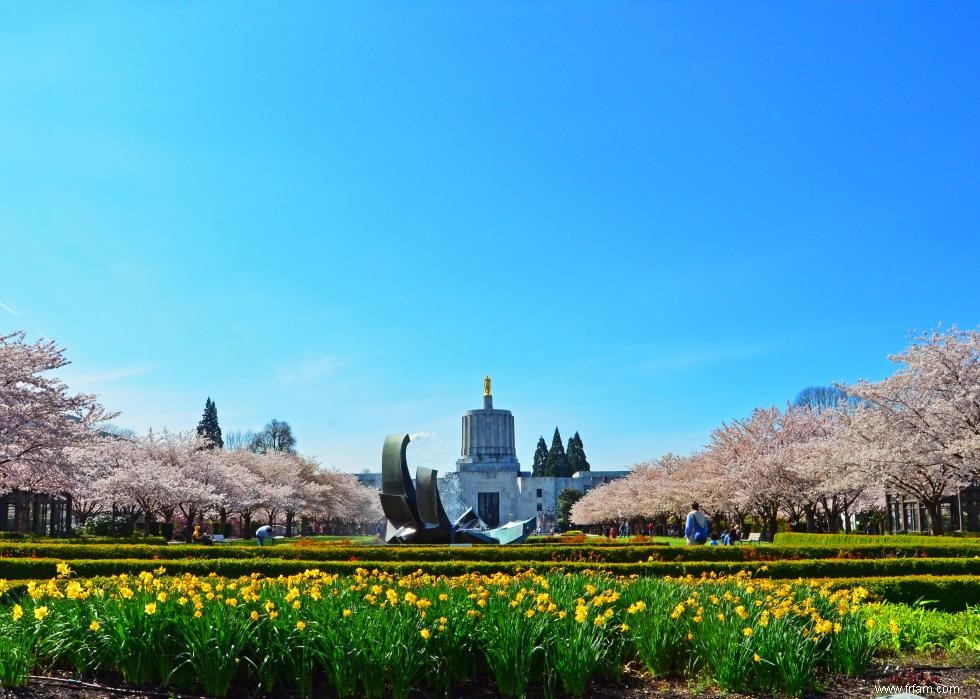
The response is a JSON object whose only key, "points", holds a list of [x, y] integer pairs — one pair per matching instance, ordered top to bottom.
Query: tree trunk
{"points": [[935, 517], [289, 522]]}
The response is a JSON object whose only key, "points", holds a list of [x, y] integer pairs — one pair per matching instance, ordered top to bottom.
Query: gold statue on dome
{"points": [[486, 385]]}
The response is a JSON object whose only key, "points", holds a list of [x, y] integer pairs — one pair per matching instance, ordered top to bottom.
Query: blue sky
{"points": [[641, 218]]}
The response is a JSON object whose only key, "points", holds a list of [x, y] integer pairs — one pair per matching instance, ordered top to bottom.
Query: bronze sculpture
{"points": [[414, 511]]}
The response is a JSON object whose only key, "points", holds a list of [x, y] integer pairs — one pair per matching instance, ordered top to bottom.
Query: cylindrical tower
{"points": [[488, 439]]}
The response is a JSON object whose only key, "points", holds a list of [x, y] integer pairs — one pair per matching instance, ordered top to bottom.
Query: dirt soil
{"points": [[966, 680]]}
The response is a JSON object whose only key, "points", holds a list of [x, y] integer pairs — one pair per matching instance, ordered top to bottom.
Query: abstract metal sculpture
{"points": [[415, 514]]}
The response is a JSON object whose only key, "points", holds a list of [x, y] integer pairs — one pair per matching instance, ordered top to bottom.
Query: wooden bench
{"points": [[754, 537]]}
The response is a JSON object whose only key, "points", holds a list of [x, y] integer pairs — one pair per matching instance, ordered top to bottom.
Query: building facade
{"points": [[489, 474], [490, 477], [960, 512]]}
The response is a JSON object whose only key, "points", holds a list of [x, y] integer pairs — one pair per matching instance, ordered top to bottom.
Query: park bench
{"points": [[754, 537], [218, 538]]}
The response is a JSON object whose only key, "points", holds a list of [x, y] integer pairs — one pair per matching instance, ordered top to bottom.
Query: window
{"points": [[539, 492], [540, 507]]}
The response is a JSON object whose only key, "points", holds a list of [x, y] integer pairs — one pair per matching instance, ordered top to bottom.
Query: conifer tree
{"points": [[208, 427], [576, 455], [540, 456], [557, 462]]}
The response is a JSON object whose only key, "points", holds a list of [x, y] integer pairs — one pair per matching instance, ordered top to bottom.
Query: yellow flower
{"points": [[63, 569], [161, 597], [443, 597], [296, 604], [151, 608], [17, 612], [40, 613], [347, 613], [529, 613], [197, 614], [254, 615], [272, 615], [721, 617], [870, 623], [300, 625], [94, 626], [624, 627], [893, 627], [747, 631], [425, 633], [690, 636], [757, 658]]}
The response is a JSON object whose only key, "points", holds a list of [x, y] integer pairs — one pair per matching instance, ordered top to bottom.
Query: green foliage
{"points": [[208, 428], [540, 457], [577, 460], [557, 462], [567, 498], [108, 526], [803, 539]]}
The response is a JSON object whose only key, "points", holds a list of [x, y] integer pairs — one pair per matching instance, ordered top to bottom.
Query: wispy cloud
{"points": [[9, 310], [693, 358], [310, 369], [101, 376]]}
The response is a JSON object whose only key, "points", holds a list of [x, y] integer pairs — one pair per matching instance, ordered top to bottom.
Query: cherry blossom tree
{"points": [[39, 416], [919, 429]]}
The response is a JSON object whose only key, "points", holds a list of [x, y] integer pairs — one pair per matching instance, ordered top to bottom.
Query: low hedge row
{"points": [[22, 538], [802, 539], [492, 554], [32, 568], [950, 593]]}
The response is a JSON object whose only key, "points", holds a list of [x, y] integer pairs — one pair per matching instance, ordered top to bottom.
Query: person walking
{"points": [[696, 527], [264, 534]]}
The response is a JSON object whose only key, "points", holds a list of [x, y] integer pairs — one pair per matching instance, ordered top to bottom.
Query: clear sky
{"points": [[640, 218]]}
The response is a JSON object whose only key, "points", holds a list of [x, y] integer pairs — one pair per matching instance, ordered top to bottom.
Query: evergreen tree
{"points": [[208, 428], [576, 455], [540, 456], [557, 462], [567, 498]]}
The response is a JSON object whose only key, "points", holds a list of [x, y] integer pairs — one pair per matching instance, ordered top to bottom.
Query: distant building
{"points": [[490, 477], [960, 512]]}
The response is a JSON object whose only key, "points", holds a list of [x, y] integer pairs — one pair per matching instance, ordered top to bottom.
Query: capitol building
{"points": [[490, 477]]}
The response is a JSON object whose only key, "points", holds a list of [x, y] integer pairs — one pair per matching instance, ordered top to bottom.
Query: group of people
{"points": [[697, 530], [263, 534]]}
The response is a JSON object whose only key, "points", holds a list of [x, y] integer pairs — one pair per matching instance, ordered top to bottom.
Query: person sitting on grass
{"points": [[264, 534], [725, 538], [713, 539]]}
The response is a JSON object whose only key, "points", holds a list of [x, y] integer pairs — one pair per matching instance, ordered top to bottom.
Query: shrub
{"points": [[107, 525], [803, 539]]}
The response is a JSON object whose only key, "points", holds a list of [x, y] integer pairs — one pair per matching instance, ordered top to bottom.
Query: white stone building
{"points": [[490, 477]]}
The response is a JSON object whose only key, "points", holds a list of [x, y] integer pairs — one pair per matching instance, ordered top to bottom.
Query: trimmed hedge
{"points": [[22, 538], [801, 539], [491, 554], [33, 568], [950, 593]]}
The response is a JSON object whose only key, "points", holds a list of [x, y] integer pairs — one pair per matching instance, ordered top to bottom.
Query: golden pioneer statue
{"points": [[486, 385]]}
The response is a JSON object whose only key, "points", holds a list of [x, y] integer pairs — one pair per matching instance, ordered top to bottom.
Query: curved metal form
{"points": [[416, 516]]}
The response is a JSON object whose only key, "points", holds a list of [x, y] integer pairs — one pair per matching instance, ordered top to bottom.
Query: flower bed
{"points": [[378, 634]]}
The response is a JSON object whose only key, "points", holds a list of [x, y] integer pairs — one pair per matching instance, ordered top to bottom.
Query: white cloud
{"points": [[310, 370], [101, 376]]}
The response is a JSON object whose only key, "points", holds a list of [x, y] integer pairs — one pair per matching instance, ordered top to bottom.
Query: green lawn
{"points": [[356, 539]]}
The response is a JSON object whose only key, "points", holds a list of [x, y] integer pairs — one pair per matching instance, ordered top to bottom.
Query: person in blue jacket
{"points": [[696, 527], [264, 534]]}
